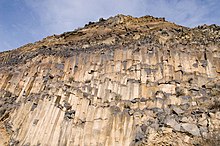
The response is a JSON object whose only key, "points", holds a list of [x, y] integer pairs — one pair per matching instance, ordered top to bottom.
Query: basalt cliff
{"points": [[123, 81]]}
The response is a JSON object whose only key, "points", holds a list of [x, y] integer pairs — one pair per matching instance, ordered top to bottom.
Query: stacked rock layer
{"points": [[121, 81]]}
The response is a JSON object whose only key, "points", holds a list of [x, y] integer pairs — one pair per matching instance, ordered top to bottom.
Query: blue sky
{"points": [[26, 21]]}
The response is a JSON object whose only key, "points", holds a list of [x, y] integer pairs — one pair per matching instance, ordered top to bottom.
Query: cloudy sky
{"points": [[26, 21]]}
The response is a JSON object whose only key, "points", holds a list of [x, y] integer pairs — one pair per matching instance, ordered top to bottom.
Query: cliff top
{"points": [[121, 23], [119, 30]]}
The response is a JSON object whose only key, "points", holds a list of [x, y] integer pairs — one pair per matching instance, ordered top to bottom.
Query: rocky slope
{"points": [[121, 81]]}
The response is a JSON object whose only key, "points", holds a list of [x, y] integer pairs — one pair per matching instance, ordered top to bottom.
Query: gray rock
{"points": [[204, 63], [8, 94], [33, 106], [67, 106], [185, 106], [115, 109], [178, 111], [131, 112], [69, 114], [35, 121], [172, 123], [143, 128], [191, 128], [204, 130], [139, 136]]}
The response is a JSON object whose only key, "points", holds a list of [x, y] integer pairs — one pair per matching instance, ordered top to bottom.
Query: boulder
{"points": [[171, 122], [191, 128]]}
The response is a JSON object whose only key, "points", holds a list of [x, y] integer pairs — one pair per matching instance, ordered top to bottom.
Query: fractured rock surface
{"points": [[121, 81]]}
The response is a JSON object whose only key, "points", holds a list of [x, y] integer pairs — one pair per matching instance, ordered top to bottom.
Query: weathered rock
{"points": [[120, 81], [178, 111], [69, 114], [172, 123], [191, 128]]}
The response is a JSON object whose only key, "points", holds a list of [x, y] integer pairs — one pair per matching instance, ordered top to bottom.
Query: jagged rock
{"points": [[67, 106], [178, 111], [69, 114], [171, 122], [191, 128], [139, 136]]}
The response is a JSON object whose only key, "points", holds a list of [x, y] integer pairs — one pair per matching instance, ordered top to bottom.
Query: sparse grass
{"points": [[71, 79], [179, 91], [215, 92], [118, 97], [215, 105]]}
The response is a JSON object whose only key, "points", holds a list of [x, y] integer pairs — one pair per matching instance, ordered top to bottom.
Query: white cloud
{"points": [[185, 12], [68, 14], [58, 16]]}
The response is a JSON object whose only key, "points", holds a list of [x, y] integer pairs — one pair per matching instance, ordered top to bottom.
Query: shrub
{"points": [[71, 79], [118, 97]]}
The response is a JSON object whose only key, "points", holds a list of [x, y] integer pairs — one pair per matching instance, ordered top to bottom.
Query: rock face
{"points": [[121, 81]]}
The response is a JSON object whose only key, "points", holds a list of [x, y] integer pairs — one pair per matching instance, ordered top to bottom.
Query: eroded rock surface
{"points": [[121, 81]]}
